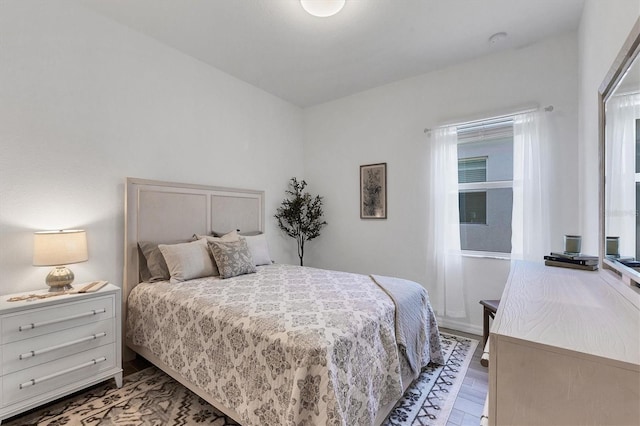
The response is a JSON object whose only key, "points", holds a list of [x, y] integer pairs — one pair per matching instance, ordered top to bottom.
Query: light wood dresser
{"points": [[55, 346], [565, 349]]}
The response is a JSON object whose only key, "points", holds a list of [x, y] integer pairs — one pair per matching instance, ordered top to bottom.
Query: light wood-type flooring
{"points": [[470, 401]]}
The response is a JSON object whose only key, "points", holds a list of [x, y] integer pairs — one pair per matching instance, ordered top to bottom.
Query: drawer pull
{"points": [[57, 320], [60, 346], [33, 382]]}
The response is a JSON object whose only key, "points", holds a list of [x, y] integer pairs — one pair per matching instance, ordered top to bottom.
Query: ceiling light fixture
{"points": [[322, 8]]}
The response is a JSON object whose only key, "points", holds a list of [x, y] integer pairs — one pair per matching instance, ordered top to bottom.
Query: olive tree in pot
{"points": [[300, 215]]}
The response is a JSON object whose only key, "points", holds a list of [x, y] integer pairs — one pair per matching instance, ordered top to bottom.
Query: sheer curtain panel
{"points": [[530, 217], [444, 225]]}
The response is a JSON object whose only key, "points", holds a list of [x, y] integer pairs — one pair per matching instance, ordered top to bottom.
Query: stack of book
{"points": [[574, 261]]}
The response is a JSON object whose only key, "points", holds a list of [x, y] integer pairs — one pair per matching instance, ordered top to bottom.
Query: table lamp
{"points": [[59, 248]]}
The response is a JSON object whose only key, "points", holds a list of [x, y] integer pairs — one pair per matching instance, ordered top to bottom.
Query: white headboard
{"points": [[169, 212]]}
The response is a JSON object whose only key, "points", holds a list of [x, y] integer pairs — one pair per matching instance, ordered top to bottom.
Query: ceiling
{"points": [[276, 46]]}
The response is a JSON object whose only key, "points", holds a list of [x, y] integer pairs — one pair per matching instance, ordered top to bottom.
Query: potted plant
{"points": [[300, 215]]}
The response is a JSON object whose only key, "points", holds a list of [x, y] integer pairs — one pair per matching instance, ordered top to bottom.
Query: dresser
{"points": [[55, 346], [565, 349]]}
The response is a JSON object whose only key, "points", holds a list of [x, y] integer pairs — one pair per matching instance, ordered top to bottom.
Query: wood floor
{"points": [[137, 364], [470, 401]]}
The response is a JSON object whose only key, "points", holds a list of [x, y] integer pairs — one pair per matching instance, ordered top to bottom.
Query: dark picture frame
{"points": [[373, 191]]}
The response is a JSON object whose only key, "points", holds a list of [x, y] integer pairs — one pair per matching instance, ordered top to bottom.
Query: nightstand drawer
{"points": [[36, 322], [47, 347], [46, 377]]}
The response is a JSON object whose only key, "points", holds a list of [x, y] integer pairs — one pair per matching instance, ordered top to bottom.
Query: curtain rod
{"points": [[548, 108]]}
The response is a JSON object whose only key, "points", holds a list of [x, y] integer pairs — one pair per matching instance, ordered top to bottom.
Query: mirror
{"points": [[620, 162]]}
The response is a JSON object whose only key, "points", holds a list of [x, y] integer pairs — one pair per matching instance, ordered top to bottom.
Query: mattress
{"points": [[286, 345]]}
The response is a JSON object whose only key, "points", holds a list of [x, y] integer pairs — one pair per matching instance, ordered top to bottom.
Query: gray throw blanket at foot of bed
{"points": [[412, 310]]}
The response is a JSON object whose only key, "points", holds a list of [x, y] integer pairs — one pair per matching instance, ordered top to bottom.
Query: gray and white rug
{"points": [[150, 397]]}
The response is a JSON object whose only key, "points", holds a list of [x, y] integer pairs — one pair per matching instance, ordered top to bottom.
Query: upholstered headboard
{"points": [[169, 212]]}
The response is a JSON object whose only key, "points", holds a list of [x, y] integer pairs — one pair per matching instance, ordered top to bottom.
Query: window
{"points": [[472, 170], [485, 181], [473, 204], [473, 207]]}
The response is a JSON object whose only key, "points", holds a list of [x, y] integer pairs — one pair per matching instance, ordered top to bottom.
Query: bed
{"points": [[282, 345]]}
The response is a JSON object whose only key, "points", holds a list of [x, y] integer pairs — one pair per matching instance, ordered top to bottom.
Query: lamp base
{"points": [[60, 279]]}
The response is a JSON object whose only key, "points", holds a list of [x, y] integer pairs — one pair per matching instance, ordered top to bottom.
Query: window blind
{"points": [[472, 170]]}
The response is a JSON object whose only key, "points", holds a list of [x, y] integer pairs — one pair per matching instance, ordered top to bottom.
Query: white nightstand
{"points": [[55, 346]]}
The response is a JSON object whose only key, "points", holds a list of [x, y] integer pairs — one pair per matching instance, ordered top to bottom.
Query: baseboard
{"points": [[460, 326]]}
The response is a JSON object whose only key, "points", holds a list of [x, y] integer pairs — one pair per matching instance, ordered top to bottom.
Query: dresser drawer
{"points": [[39, 321], [47, 347], [53, 375]]}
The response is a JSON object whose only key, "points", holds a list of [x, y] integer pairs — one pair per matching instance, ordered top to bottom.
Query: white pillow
{"points": [[226, 238], [259, 249], [187, 260]]}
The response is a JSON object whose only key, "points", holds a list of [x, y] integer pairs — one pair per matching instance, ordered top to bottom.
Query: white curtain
{"points": [[620, 157], [530, 215], [444, 225]]}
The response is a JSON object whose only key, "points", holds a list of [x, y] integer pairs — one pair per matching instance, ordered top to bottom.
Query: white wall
{"points": [[603, 30], [85, 102], [110, 103], [386, 124]]}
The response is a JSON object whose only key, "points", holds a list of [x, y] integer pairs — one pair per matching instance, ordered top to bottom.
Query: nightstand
{"points": [[59, 345]]}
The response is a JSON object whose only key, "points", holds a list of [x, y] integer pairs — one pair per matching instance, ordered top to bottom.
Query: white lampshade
{"points": [[322, 8], [55, 248]]}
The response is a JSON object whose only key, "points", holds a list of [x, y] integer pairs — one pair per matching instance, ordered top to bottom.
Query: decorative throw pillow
{"points": [[230, 236], [259, 249], [233, 258], [187, 260], [157, 269]]}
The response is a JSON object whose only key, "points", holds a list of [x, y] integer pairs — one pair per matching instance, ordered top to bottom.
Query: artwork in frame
{"points": [[373, 191]]}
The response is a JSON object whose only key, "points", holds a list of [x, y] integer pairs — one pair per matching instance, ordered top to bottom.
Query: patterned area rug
{"points": [[150, 397], [430, 398]]}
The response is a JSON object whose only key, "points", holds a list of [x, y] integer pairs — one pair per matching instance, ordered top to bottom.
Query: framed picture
{"points": [[373, 191]]}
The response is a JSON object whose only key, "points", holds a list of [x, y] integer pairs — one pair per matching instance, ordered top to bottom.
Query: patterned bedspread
{"points": [[285, 346]]}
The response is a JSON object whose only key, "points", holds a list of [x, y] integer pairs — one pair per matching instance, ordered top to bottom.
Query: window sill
{"points": [[486, 254]]}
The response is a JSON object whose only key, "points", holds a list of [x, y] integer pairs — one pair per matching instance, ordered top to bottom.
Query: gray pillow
{"points": [[232, 257], [156, 266]]}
